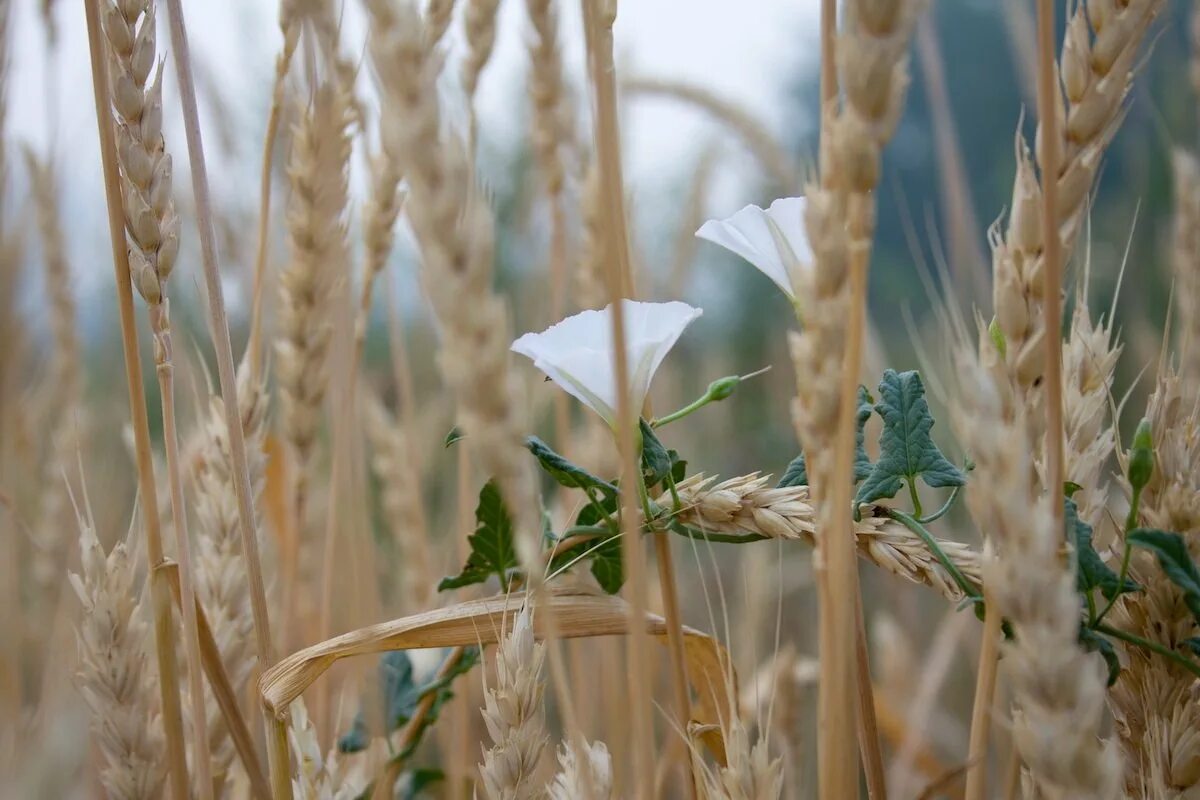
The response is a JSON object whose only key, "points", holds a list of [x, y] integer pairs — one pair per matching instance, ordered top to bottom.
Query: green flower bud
{"points": [[997, 336], [723, 387], [1141, 456]]}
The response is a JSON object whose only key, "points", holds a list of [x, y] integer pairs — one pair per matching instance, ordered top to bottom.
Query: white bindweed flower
{"points": [[773, 240], [577, 353]]}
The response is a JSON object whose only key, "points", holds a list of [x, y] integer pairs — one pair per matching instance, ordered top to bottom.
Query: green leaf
{"points": [[455, 434], [906, 448], [657, 461], [564, 472], [796, 473], [1070, 488], [492, 550], [605, 555], [1175, 561], [1092, 572], [1095, 643], [1193, 644], [401, 696], [413, 783]]}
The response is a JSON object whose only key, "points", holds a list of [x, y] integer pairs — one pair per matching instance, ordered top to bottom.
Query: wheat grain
{"points": [[748, 505], [114, 674], [1058, 689], [514, 716], [317, 777]]}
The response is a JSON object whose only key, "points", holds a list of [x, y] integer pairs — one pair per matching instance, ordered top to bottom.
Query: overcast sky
{"points": [[742, 49]]}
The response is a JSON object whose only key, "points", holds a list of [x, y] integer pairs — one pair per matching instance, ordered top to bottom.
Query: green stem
{"points": [[695, 405], [916, 498], [945, 509], [1130, 524], [916, 527], [726, 538], [1166, 652]]}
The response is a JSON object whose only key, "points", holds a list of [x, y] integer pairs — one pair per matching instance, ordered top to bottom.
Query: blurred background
{"points": [[719, 110]]}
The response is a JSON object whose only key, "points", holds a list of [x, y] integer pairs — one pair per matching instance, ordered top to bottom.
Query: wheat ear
{"points": [[479, 23], [1096, 72], [317, 170], [1185, 260], [749, 505], [220, 582], [114, 672], [1058, 688], [514, 716], [1155, 717], [585, 772]]}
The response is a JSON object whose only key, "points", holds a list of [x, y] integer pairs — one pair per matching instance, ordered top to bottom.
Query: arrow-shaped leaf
{"points": [[796, 473], [492, 550]]}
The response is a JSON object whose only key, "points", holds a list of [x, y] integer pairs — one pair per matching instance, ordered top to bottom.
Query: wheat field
{"points": [[400, 519]]}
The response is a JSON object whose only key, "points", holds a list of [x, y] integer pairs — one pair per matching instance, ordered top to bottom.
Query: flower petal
{"points": [[773, 240], [577, 353]]}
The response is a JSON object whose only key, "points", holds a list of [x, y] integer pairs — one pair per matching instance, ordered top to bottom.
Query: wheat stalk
{"points": [[749, 505], [114, 674], [1058, 688], [514, 716]]}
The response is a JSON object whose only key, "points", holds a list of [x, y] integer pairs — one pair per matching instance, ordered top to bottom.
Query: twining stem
{"points": [[1048, 118], [219, 330], [164, 367], [916, 498], [944, 510], [1130, 524], [969, 590], [160, 593], [1134, 639], [981, 712]]}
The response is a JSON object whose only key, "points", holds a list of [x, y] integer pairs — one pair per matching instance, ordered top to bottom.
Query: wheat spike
{"points": [[479, 22], [1101, 42], [317, 169], [1185, 261], [1089, 358], [748, 505], [220, 574], [114, 671], [1058, 688], [1153, 700], [513, 715], [585, 772], [751, 773]]}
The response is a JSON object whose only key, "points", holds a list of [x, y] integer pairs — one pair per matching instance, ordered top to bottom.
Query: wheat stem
{"points": [[219, 331], [168, 672], [981, 711]]}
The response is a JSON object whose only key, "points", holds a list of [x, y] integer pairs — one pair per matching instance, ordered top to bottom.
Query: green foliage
{"points": [[454, 435], [907, 450], [658, 462], [564, 472], [796, 473], [492, 551], [1175, 561], [1092, 572], [1093, 642], [401, 695]]}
